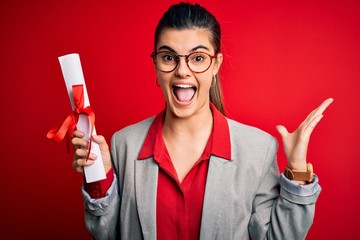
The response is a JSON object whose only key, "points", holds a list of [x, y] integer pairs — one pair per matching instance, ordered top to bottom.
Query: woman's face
{"points": [[186, 92]]}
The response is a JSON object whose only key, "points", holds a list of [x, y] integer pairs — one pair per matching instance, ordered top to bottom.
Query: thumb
{"points": [[282, 130], [99, 139]]}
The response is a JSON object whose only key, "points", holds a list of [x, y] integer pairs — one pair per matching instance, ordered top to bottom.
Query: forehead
{"points": [[182, 41]]}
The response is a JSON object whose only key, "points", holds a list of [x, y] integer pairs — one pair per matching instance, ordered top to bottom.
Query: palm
{"points": [[296, 143]]}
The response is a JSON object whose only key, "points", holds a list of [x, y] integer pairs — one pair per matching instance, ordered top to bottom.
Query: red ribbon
{"points": [[69, 125]]}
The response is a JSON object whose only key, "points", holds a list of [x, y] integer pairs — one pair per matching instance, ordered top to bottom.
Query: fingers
{"points": [[325, 104], [319, 110], [315, 116], [312, 124], [307, 126], [78, 134], [77, 140], [79, 143], [81, 147], [81, 151], [80, 159], [78, 164]]}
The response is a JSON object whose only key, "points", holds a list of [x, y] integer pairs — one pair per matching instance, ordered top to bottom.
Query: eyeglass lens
{"points": [[196, 61]]}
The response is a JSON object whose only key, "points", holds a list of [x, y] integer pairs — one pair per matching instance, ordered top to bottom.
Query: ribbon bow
{"points": [[69, 125]]}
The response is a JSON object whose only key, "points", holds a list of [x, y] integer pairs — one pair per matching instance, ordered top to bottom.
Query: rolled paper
{"points": [[82, 114]]}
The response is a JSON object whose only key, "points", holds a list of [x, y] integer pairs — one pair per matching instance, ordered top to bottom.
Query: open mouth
{"points": [[184, 93]]}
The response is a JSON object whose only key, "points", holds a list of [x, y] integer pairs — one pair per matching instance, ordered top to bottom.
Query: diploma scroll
{"points": [[73, 75]]}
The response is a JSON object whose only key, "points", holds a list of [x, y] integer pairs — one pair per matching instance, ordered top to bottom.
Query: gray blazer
{"points": [[244, 198]]}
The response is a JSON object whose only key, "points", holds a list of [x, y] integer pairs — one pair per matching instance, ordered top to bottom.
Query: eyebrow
{"points": [[165, 47], [200, 47]]}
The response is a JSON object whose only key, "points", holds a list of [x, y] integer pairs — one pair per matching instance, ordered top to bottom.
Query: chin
{"points": [[181, 111], [187, 111]]}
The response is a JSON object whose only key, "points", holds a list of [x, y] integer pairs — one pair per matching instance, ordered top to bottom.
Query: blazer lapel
{"points": [[220, 173], [146, 178]]}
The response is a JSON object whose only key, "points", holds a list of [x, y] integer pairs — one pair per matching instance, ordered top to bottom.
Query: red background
{"points": [[282, 59]]}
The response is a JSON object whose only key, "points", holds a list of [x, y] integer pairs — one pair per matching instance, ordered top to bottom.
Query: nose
{"points": [[182, 70]]}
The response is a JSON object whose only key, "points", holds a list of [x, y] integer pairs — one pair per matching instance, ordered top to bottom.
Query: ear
{"points": [[217, 63]]}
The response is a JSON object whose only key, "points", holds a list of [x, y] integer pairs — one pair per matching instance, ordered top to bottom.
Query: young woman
{"points": [[190, 172]]}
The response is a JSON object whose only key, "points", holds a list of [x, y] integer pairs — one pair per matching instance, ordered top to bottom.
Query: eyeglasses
{"points": [[167, 61]]}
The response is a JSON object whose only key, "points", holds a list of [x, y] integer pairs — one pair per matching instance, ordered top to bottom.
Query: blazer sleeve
{"points": [[102, 215], [285, 215]]}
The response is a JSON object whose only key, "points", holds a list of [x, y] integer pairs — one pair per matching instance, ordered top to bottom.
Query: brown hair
{"points": [[186, 16]]}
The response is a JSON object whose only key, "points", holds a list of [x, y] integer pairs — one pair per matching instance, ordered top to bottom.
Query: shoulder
{"points": [[244, 130], [133, 132], [250, 137], [252, 148]]}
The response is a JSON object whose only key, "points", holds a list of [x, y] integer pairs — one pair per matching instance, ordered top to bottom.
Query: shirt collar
{"points": [[220, 135]]}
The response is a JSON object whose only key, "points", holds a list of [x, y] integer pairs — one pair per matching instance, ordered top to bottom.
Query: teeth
{"points": [[183, 86]]}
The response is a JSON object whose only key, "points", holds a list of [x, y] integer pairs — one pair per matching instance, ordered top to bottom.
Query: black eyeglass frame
{"points": [[177, 58]]}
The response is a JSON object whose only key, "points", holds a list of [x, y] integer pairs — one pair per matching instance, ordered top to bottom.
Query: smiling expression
{"points": [[186, 92]]}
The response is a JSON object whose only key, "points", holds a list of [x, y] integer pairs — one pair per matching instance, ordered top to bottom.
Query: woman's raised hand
{"points": [[296, 143], [81, 146]]}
